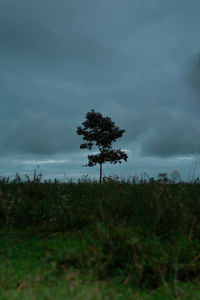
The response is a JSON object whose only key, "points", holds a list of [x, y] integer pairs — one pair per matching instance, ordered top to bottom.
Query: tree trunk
{"points": [[100, 178]]}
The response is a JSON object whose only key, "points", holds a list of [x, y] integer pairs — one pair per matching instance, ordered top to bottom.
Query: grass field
{"points": [[116, 240], [28, 270]]}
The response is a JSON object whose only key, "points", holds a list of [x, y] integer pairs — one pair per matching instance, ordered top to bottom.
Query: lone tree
{"points": [[101, 131]]}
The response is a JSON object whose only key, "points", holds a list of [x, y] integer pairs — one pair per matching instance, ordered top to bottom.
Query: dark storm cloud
{"points": [[32, 41], [28, 44], [135, 61], [193, 73], [41, 134], [172, 135]]}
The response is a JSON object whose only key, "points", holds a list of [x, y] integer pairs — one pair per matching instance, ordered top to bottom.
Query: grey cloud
{"points": [[29, 45], [126, 59], [193, 73], [41, 134], [174, 135]]}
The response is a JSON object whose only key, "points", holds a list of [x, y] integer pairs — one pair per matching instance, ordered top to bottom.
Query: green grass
{"points": [[115, 240], [27, 273]]}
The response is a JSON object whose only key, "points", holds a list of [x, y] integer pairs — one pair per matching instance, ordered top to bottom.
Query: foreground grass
{"points": [[115, 240], [29, 270]]}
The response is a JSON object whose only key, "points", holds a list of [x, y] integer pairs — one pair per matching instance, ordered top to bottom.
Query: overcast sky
{"points": [[134, 61]]}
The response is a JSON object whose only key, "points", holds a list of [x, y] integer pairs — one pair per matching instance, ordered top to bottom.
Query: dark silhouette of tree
{"points": [[101, 131]]}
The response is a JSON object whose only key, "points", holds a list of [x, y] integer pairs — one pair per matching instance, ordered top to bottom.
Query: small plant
{"points": [[163, 178]]}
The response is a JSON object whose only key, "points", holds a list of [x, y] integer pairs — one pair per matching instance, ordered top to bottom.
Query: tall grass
{"points": [[145, 232]]}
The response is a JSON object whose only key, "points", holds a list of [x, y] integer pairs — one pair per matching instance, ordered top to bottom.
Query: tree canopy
{"points": [[101, 132]]}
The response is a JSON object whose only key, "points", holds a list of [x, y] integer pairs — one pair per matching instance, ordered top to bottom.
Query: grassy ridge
{"points": [[145, 234]]}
